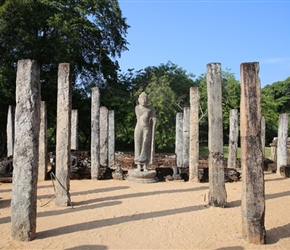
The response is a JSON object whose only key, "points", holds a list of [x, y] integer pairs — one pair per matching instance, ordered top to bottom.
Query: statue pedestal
{"points": [[142, 176]]}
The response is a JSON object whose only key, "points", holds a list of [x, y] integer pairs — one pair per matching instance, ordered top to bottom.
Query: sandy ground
{"points": [[113, 214]]}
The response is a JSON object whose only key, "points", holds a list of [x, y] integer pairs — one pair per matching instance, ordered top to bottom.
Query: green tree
{"points": [[88, 34], [168, 88], [280, 92], [164, 100], [230, 100], [275, 101], [269, 111]]}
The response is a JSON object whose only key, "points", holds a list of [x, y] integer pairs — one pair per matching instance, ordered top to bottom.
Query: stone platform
{"points": [[142, 176]]}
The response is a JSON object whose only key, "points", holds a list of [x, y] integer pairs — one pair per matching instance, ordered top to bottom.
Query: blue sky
{"points": [[194, 33]]}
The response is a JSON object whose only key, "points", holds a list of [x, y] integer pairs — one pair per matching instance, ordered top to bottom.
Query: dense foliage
{"points": [[88, 34]]}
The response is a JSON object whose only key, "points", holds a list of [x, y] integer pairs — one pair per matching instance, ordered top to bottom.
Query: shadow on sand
{"points": [[114, 221], [277, 233], [87, 247]]}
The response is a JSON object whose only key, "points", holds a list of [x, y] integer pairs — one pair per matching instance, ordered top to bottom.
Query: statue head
{"points": [[143, 99]]}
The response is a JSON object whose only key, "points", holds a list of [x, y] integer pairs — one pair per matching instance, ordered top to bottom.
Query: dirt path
{"points": [[114, 214]]}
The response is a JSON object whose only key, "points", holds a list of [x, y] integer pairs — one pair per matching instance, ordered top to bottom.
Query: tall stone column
{"points": [[104, 118], [186, 128], [74, 129], [10, 130], [95, 134], [63, 135], [194, 135], [263, 135], [111, 138], [233, 138], [179, 139], [273, 148], [282, 152], [25, 161], [42, 169], [253, 190], [217, 191]]}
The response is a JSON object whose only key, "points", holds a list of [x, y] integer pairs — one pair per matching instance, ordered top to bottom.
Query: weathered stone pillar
{"points": [[186, 128], [74, 129], [104, 129], [10, 130], [95, 134], [194, 134], [263, 134], [63, 135], [111, 138], [233, 138], [179, 139], [273, 148], [288, 150], [282, 152], [25, 161], [42, 169], [253, 190], [217, 191]]}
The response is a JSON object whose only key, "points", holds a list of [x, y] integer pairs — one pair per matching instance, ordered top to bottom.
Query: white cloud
{"points": [[275, 60]]}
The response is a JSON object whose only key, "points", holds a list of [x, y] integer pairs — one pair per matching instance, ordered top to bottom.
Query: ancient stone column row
{"points": [[103, 136], [30, 146]]}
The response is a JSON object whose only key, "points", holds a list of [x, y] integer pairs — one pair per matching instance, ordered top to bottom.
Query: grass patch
{"points": [[203, 150]]}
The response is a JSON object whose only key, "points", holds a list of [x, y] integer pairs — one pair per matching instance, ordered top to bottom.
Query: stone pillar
{"points": [[186, 128], [74, 129], [104, 129], [10, 130], [95, 134], [263, 134], [63, 135], [194, 135], [111, 138], [233, 138], [179, 139], [273, 148], [288, 150], [282, 152], [25, 161], [42, 169], [253, 190], [217, 191]]}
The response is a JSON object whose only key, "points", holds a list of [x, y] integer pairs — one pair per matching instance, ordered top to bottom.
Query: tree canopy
{"points": [[88, 34]]}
